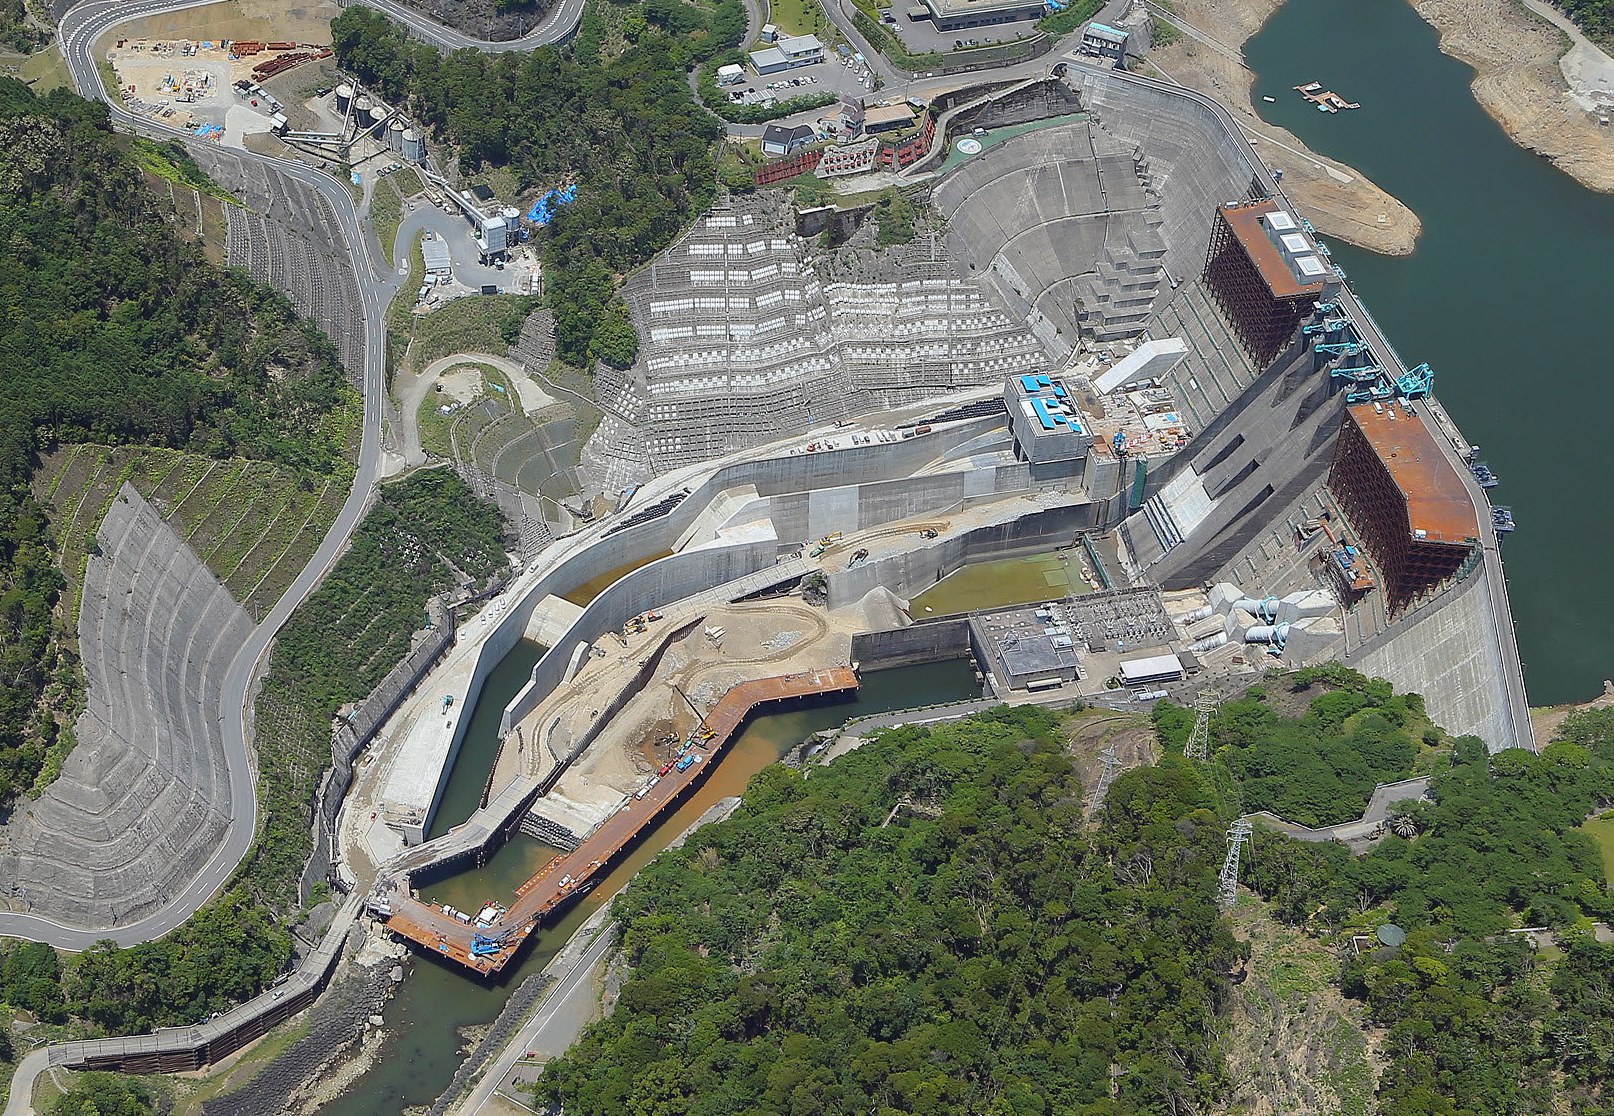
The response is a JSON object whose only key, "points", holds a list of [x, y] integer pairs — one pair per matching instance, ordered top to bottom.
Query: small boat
{"points": [[1309, 87], [1270, 100], [1484, 476], [1502, 520]]}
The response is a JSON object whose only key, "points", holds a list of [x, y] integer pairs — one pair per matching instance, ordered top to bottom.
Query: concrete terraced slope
{"points": [[144, 799]]}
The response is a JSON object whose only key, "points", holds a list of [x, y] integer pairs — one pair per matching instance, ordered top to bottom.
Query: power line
{"points": [[1198, 746], [1227, 893]]}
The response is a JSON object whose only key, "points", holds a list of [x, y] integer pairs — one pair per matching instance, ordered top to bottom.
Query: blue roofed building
{"points": [[1050, 431]]}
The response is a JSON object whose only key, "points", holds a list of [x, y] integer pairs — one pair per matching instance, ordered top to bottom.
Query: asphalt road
{"points": [[557, 25], [79, 30], [568, 1008]]}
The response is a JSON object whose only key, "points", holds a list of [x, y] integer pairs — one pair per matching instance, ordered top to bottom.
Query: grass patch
{"points": [[799, 17], [47, 69], [170, 161], [386, 214], [479, 323], [436, 427], [1601, 830], [191, 1094]]}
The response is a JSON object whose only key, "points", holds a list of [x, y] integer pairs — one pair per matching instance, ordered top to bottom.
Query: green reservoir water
{"points": [[1506, 297], [1004, 582], [463, 794], [423, 1045]]}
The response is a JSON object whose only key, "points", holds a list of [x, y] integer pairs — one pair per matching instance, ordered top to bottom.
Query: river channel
{"points": [[1506, 298], [423, 1046]]}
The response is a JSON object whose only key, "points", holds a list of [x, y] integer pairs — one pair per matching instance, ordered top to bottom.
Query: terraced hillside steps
{"points": [[144, 798]]}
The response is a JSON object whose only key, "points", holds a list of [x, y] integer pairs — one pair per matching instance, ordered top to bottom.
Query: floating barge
{"points": [[1326, 100], [485, 947]]}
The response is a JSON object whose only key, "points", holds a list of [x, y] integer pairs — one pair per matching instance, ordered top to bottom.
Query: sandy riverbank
{"points": [[1518, 79], [1341, 201]]}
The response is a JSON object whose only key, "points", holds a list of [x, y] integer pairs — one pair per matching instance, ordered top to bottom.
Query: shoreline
{"points": [[1518, 54], [1341, 201]]}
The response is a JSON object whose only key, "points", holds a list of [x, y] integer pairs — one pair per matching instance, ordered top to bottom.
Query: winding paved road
{"points": [[557, 25], [79, 30]]}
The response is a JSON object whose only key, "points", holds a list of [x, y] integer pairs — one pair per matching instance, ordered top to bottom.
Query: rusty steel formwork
{"points": [[1262, 320], [1377, 507]]}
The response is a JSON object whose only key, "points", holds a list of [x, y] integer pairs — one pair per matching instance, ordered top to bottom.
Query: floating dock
{"points": [[1326, 100], [485, 949]]}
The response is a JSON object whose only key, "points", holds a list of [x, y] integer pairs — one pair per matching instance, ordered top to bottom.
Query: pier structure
{"points": [[485, 948]]}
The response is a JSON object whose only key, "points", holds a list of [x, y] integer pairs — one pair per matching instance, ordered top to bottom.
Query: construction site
{"points": [[1121, 348]]}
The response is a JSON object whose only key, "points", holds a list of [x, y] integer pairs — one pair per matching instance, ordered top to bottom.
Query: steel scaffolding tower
{"points": [[1198, 746], [1228, 892]]}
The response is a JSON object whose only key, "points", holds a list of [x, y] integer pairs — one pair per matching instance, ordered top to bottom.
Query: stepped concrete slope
{"points": [[144, 799]]}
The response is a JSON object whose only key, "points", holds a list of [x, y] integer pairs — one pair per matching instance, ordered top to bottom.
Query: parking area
{"points": [[920, 36], [836, 75]]}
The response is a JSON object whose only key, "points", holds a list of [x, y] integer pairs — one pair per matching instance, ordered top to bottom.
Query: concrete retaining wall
{"points": [[795, 475], [930, 641]]}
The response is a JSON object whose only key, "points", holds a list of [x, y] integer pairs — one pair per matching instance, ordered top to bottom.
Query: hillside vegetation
{"points": [[620, 120], [116, 331], [426, 534], [1310, 746], [984, 952], [981, 953]]}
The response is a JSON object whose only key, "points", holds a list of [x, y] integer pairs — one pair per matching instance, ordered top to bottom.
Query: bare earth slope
{"points": [[1518, 80]]}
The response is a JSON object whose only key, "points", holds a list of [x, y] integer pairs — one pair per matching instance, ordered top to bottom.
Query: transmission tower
{"points": [[1198, 746], [1112, 764], [1227, 894]]}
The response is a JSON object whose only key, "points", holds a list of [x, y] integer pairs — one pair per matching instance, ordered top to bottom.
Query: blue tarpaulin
{"points": [[544, 212]]}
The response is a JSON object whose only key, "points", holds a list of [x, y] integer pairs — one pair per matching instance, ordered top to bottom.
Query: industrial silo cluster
{"points": [[371, 117]]}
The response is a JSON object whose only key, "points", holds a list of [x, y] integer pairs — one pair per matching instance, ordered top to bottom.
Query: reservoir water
{"points": [[1506, 297], [423, 1046]]}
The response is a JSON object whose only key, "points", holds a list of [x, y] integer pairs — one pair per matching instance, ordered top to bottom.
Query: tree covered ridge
{"points": [[625, 127], [113, 329], [1320, 767], [982, 953], [1477, 1020]]}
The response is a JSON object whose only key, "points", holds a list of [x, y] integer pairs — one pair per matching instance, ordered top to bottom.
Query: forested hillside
{"points": [[1595, 17], [15, 30], [623, 124], [114, 330], [1310, 746], [982, 953], [988, 953]]}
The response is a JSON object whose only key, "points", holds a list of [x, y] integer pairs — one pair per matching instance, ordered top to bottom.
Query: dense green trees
{"points": [[1595, 17], [15, 30], [625, 128], [114, 330], [423, 533], [1318, 768], [226, 952], [981, 953], [1477, 1021], [104, 1094]]}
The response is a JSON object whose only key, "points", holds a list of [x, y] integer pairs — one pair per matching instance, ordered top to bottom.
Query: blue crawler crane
{"points": [[484, 945]]}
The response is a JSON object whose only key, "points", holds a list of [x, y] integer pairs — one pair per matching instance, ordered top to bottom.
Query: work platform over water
{"points": [[487, 949]]}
